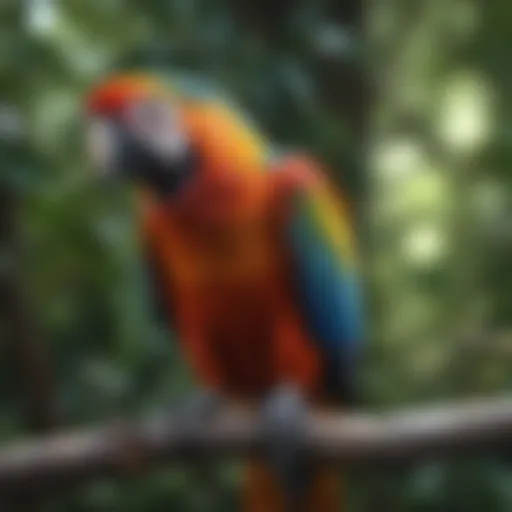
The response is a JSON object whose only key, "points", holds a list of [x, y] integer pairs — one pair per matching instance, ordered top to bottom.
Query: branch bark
{"points": [[351, 439]]}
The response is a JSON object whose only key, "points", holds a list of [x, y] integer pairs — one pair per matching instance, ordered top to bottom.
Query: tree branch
{"points": [[352, 439]]}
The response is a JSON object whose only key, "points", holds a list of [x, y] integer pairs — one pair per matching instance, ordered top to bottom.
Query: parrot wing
{"points": [[320, 241]]}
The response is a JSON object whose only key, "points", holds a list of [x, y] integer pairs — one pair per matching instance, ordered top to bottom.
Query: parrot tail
{"points": [[262, 493]]}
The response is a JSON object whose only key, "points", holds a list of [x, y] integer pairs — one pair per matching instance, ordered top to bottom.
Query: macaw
{"points": [[253, 258]]}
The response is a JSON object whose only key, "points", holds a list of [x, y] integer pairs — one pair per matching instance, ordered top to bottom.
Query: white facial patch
{"points": [[158, 126], [101, 145]]}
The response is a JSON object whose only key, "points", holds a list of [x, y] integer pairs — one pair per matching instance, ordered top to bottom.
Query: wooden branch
{"points": [[351, 439]]}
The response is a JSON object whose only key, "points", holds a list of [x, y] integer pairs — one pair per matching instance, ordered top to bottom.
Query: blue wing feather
{"points": [[327, 286]]}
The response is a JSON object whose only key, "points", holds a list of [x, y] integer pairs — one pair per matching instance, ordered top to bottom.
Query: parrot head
{"points": [[135, 130], [162, 132]]}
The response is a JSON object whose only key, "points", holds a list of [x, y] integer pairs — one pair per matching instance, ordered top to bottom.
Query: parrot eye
{"points": [[158, 126], [101, 145]]}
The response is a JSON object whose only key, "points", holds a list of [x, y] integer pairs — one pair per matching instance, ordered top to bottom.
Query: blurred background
{"points": [[406, 101]]}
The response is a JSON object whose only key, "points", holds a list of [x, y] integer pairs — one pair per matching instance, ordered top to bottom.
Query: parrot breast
{"points": [[231, 291]]}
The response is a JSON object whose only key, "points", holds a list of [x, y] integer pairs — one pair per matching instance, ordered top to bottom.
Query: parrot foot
{"points": [[192, 413], [284, 417]]}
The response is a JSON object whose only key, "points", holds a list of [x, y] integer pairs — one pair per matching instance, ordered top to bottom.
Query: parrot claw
{"points": [[194, 412], [284, 417]]}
